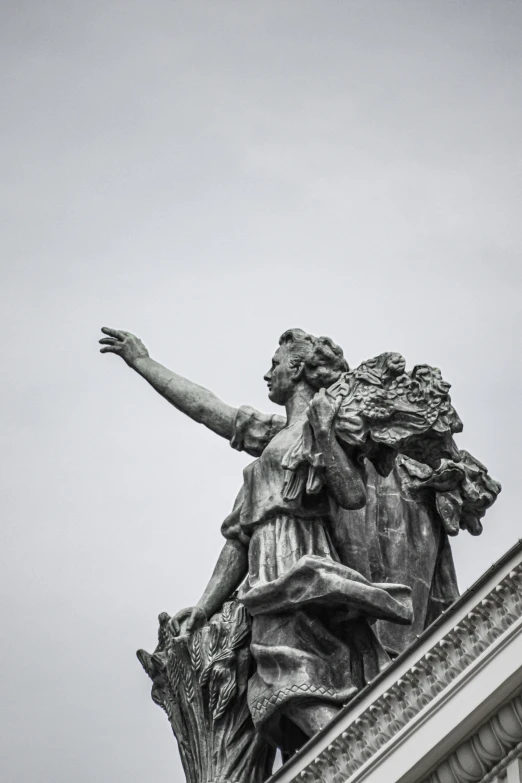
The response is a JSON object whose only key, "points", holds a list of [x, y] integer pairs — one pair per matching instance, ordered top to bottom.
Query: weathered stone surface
{"points": [[318, 540], [200, 680], [447, 711]]}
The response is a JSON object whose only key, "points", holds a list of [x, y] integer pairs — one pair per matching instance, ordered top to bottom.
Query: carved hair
{"points": [[323, 360]]}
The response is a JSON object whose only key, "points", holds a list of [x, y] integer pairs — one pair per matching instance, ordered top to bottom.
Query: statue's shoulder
{"points": [[253, 430]]}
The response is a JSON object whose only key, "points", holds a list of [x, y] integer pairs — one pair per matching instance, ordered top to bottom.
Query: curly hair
{"points": [[323, 360]]}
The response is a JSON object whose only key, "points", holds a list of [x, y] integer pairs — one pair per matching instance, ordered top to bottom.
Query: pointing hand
{"points": [[124, 344]]}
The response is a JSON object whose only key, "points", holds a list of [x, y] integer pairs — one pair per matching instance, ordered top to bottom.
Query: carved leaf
{"points": [[449, 505], [226, 612], [239, 636], [213, 640], [195, 652], [221, 657], [146, 661], [227, 688]]}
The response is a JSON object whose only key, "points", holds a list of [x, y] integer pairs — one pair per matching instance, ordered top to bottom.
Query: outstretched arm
{"points": [[195, 401], [343, 478], [230, 570]]}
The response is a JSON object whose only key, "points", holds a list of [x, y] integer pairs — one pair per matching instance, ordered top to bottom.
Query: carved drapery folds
{"points": [[463, 489], [307, 564], [432, 674], [200, 680]]}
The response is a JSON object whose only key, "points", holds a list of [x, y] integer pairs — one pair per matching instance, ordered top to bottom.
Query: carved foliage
{"points": [[383, 410], [386, 411], [409, 412], [200, 680]]}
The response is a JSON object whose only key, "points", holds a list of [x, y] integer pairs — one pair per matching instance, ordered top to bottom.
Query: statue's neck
{"points": [[298, 403]]}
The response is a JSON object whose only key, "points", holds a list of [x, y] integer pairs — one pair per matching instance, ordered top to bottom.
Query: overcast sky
{"points": [[207, 175]]}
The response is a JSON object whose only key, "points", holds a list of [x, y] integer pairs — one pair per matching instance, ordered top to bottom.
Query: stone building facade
{"points": [[448, 710]]}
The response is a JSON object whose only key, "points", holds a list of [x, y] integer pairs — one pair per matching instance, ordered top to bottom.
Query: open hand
{"points": [[125, 344], [196, 618]]}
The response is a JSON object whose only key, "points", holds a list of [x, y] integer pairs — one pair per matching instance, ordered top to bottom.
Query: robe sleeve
{"points": [[254, 430]]}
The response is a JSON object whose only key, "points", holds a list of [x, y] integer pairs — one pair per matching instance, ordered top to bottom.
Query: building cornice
{"points": [[419, 681], [488, 752]]}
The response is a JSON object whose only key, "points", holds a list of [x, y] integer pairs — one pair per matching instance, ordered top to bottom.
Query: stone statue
{"points": [[309, 544]]}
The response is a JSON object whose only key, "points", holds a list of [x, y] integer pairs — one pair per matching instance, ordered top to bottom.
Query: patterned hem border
{"points": [[431, 675]]}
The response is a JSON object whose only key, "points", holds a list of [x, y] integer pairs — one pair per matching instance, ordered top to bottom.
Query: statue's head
{"points": [[303, 359]]}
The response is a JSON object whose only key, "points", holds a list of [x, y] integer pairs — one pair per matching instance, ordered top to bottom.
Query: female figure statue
{"points": [[312, 644]]}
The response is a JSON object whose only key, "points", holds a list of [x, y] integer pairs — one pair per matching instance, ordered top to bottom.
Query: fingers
{"points": [[117, 333], [114, 343], [110, 349], [320, 396], [323, 408], [197, 617], [192, 620], [175, 622]]}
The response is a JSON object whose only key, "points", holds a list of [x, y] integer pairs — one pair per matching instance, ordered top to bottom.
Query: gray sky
{"points": [[207, 175]]}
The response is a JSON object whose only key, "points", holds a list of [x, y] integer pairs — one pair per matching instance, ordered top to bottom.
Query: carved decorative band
{"points": [[431, 675], [260, 707], [487, 752]]}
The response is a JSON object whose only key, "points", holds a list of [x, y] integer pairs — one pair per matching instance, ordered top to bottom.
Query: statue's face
{"points": [[281, 377]]}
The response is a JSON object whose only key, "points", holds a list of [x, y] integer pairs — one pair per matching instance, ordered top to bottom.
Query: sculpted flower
{"points": [[415, 392]]}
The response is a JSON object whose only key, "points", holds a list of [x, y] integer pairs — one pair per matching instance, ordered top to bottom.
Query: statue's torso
{"points": [[263, 487]]}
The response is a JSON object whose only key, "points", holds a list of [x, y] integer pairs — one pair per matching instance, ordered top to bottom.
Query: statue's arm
{"points": [[195, 401], [343, 478], [231, 568]]}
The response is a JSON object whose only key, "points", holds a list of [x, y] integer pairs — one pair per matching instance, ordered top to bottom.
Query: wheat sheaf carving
{"points": [[200, 681]]}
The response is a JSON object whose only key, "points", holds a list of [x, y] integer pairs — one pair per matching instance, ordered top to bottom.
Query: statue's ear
{"points": [[297, 370]]}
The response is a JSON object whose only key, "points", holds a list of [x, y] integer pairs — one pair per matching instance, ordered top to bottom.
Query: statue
{"points": [[300, 539]]}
